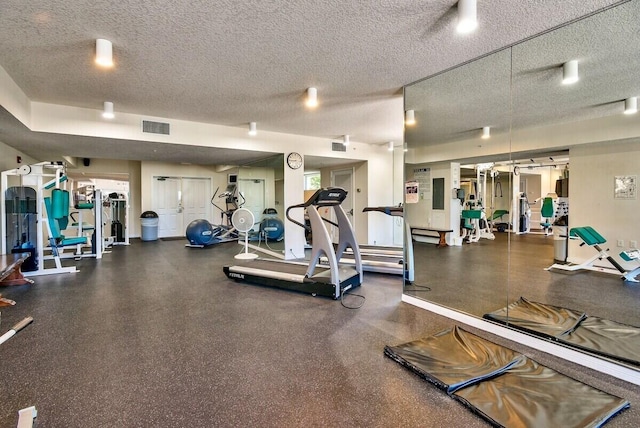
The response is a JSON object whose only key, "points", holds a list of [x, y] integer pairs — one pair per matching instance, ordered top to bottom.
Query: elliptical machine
{"points": [[201, 233]]}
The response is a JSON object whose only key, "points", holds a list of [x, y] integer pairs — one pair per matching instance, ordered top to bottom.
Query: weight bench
{"points": [[590, 237], [628, 256]]}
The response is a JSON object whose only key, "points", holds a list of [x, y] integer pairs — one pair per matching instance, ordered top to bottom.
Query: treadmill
{"points": [[381, 259], [330, 281]]}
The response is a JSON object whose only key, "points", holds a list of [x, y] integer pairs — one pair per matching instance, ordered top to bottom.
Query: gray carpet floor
{"points": [[154, 335]]}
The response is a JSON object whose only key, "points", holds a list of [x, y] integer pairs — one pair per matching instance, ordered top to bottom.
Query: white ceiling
{"points": [[229, 62]]}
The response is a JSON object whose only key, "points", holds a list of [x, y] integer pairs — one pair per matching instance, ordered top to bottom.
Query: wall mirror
{"points": [[569, 146]]}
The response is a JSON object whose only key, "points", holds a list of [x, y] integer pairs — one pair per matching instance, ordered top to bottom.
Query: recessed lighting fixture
{"points": [[467, 16], [104, 53], [570, 72], [312, 98], [631, 105], [107, 112], [410, 117], [253, 130], [486, 133], [345, 140], [390, 146]]}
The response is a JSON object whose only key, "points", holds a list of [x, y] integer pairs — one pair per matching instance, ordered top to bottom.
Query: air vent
{"points": [[155, 127], [338, 147]]}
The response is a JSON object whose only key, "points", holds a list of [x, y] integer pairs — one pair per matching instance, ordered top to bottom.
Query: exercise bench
{"points": [[442, 234], [590, 237]]}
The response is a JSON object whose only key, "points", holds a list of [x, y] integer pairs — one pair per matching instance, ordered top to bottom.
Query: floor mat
{"points": [[574, 328], [453, 358], [504, 387], [531, 395]]}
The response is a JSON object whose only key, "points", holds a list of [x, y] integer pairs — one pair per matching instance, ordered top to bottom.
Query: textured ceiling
{"points": [[230, 62], [455, 105]]}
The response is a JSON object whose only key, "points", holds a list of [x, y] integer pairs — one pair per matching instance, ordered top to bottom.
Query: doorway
{"points": [[343, 178], [252, 190], [178, 201]]}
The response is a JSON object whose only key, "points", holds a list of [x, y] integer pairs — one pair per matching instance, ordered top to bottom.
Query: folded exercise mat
{"points": [[538, 318], [574, 328], [606, 338], [454, 358], [503, 386], [531, 395]]}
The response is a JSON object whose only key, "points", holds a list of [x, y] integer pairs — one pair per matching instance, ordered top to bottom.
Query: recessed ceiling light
{"points": [[467, 16], [104, 53], [570, 72], [312, 98], [631, 105], [107, 113], [410, 117], [486, 133]]}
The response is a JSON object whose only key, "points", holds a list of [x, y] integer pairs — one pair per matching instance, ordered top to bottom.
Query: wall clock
{"points": [[294, 160]]}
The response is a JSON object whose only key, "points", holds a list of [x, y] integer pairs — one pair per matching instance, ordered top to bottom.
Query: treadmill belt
{"points": [[592, 334], [502, 386]]}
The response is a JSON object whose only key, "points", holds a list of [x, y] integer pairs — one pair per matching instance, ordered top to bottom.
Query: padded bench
{"points": [[425, 231], [10, 273]]}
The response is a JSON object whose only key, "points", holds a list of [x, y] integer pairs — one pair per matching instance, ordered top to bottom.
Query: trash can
{"points": [[149, 221], [560, 240]]}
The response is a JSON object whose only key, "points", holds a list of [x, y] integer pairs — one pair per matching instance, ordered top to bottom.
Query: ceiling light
{"points": [[467, 16], [104, 53], [570, 72], [312, 98], [631, 105], [107, 113], [410, 117], [253, 130], [486, 133], [345, 140], [390, 146]]}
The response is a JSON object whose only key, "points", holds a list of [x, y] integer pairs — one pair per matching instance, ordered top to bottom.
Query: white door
{"points": [[343, 178], [253, 192], [195, 199], [178, 201], [166, 203]]}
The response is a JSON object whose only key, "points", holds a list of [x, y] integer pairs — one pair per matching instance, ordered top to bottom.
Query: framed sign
{"points": [[625, 187]]}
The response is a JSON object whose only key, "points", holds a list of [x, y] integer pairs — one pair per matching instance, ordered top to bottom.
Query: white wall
{"points": [[8, 158], [591, 195]]}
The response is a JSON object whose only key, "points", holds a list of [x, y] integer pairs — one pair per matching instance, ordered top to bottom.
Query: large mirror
{"points": [[554, 182]]}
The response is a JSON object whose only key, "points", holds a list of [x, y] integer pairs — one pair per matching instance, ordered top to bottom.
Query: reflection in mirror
{"points": [[601, 147], [566, 159], [261, 187], [454, 188]]}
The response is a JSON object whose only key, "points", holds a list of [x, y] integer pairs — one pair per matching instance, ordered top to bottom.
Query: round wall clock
{"points": [[294, 160]]}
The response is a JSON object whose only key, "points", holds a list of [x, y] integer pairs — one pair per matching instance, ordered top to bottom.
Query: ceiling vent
{"points": [[155, 127], [338, 147]]}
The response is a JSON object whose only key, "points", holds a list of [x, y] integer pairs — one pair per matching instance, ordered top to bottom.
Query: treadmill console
{"points": [[327, 197]]}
